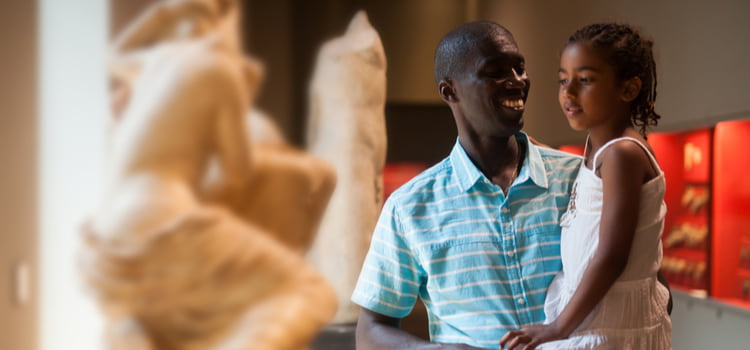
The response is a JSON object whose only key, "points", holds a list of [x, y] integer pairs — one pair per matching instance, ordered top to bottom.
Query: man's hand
{"points": [[376, 331], [531, 336]]}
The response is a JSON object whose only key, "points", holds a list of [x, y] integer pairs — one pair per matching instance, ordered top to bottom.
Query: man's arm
{"points": [[663, 280], [379, 332]]}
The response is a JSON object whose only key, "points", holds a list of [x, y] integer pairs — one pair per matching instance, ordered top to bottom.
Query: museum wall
{"points": [[702, 55], [702, 58], [18, 156]]}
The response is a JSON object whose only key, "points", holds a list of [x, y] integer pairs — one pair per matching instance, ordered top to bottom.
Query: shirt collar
{"points": [[533, 164], [464, 169], [467, 174]]}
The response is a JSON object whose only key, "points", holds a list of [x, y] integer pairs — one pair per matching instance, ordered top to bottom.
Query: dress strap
{"points": [[586, 146], [645, 149]]}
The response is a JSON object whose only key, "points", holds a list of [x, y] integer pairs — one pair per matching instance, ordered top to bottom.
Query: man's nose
{"points": [[516, 80]]}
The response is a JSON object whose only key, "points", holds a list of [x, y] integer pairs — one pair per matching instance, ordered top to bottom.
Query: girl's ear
{"points": [[630, 89]]}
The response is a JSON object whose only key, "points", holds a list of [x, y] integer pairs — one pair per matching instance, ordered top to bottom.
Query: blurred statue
{"points": [[347, 128], [290, 188], [177, 253]]}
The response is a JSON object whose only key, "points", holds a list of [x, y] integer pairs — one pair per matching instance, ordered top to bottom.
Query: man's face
{"points": [[493, 88]]}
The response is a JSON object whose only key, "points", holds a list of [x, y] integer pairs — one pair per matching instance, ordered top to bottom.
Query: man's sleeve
{"points": [[390, 278]]}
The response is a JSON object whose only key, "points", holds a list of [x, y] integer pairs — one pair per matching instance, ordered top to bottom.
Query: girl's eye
{"points": [[584, 80], [562, 81]]}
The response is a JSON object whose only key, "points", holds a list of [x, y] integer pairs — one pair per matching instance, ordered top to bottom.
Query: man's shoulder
{"points": [[551, 153], [559, 161], [427, 181]]}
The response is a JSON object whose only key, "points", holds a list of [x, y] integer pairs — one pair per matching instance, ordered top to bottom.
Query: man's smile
{"points": [[516, 104]]}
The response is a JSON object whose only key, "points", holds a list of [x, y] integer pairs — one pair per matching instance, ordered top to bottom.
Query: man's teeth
{"points": [[512, 103]]}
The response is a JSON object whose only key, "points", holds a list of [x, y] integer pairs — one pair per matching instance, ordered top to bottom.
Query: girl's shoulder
{"points": [[627, 155]]}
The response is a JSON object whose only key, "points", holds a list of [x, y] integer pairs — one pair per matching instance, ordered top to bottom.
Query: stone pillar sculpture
{"points": [[347, 128], [177, 253]]}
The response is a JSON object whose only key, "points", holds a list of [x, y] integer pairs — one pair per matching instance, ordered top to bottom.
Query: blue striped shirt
{"points": [[480, 260]]}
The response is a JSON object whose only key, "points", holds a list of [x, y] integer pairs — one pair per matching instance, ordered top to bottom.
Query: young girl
{"points": [[607, 295]]}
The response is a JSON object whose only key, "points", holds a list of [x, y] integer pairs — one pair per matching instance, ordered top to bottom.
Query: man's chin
{"points": [[515, 125]]}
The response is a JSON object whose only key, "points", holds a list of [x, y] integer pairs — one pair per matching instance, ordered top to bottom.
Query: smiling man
{"points": [[476, 236]]}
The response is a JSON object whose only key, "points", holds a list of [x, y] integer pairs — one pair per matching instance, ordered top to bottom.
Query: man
{"points": [[476, 236]]}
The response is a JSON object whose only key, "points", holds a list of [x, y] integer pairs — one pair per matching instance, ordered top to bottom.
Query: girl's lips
{"points": [[571, 110]]}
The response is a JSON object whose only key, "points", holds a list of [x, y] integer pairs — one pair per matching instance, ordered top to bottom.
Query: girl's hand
{"points": [[532, 336]]}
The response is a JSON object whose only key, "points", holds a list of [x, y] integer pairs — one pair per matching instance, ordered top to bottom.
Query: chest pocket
{"points": [[461, 268]]}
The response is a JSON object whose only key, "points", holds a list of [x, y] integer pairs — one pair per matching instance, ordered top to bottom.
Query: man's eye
{"points": [[495, 74]]}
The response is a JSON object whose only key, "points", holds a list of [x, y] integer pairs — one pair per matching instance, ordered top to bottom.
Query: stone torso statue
{"points": [[347, 128]]}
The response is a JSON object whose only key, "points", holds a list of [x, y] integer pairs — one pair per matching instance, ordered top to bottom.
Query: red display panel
{"points": [[575, 149], [685, 158], [397, 174], [731, 213]]}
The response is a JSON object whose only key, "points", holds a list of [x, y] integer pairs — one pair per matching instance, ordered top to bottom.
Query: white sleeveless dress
{"points": [[633, 313]]}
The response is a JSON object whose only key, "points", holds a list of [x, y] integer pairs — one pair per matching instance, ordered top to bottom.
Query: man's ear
{"points": [[631, 88], [447, 93]]}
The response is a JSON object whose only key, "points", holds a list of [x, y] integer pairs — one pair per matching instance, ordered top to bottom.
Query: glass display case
{"points": [[685, 158], [731, 213], [707, 228]]}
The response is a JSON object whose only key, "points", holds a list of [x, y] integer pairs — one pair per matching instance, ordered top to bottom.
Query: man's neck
{"points": [[498, 158]]}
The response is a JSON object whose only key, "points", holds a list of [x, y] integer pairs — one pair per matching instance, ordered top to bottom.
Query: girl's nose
{"points": [[567, 89]]}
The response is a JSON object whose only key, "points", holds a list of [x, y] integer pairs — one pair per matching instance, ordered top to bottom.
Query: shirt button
{"points": [[511, 254], [521, 301]]}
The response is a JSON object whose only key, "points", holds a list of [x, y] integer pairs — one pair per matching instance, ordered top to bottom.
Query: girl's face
{"points": [[590, 94]]}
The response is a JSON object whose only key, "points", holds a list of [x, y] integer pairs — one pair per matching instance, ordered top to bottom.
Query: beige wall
{"points": [[410, 31], [702, 53], [703, 58], [18, 149]]}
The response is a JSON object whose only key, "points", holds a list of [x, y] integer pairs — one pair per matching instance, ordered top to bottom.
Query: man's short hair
{"points": [[462, 41]]}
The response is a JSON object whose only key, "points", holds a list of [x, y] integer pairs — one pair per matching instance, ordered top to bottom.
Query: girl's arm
{"points": [[623, 173]]}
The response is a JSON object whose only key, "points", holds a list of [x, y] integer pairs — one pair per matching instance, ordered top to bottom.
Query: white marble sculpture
{"points": [[347, 128], [177, 256]]}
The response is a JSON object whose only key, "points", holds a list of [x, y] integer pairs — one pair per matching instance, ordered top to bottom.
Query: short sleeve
{"points": [[390, 279]]}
